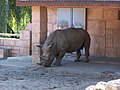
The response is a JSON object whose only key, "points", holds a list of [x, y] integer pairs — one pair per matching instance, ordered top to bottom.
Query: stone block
{"points": [[36, 13], [95, 13], [111, 14], [52, 15], [112, 24], [29, 27], [36, 27], [96, 27], [50, 29], [109, 33], [25, 35], [35, 38], [116, 38], [1, 41], [9, 42], [18, 43], [109, 43], [25, 44], [99, 46], [35, 49], [15, 50], [24, 51], [110, 52], [118, 52], [4, 53], [35, 58]]}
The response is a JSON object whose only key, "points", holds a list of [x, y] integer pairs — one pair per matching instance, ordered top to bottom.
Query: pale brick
{"points": [[95, 13], [36, 14], [111, 14], [52, 15], [114, 24], [29, 27], [35, 27], [96, 27], [50, 29], [109, 34], [25, 35], [35, 38], [116, 38], [1, 41], [9, 42], [18, 43], [109, 43], [25, 44], [99, 46], [35, 49], [15, 50], [24, 51], [111, 52], [4, 53], [35, 59]]}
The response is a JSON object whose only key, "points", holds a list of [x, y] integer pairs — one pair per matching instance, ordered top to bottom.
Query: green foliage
{"points": [[13, 18]]}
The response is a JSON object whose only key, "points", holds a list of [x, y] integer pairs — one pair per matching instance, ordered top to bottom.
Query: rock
{"points": [[113, 85], [100, 86], [92, 87]]}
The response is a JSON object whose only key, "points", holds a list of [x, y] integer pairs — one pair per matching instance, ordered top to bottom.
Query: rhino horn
{"points": [[39, 45], [50, 45]]}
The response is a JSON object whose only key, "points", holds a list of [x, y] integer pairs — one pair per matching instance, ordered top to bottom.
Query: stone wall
{"points": [[104, 28], [18, 47]]}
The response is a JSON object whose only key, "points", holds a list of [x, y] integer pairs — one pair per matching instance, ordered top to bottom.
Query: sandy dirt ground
{"points": [[40, 78]]}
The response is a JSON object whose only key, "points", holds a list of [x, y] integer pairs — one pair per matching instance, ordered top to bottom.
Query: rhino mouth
{"points": [[46, 62]]}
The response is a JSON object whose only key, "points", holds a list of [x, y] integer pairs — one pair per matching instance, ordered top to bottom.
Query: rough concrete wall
{"points": [[104, 28]]}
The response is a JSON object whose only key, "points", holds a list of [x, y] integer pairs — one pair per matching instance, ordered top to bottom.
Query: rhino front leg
{"points": [[78, 56], [59, 58]]}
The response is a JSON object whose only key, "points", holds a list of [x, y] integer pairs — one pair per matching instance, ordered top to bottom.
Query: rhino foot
{"points": [[77, 60], [86, 60], [57, 64]]}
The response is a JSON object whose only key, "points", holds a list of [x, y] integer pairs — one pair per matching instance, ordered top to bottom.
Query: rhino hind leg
{"points": [[86, 53], [78, 56], [59, 58]]}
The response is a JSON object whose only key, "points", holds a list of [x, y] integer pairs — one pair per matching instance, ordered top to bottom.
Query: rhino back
{"points": [[75, 38], [70, 39]]}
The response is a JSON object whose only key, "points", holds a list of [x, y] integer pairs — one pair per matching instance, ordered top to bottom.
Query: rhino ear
{"points": [[39, 45], [50, 45]]}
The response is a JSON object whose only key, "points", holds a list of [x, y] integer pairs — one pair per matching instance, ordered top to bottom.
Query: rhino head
{"points": [[47, 58]]}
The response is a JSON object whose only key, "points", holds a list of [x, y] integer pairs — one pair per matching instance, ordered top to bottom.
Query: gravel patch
{"points": [[40, 78]]}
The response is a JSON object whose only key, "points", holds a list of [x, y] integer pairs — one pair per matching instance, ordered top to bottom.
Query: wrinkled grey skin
{"points": [[64, 41]]}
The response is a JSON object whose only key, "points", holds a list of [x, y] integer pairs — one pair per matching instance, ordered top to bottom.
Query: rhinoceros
{"points": [[64, 41]]}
